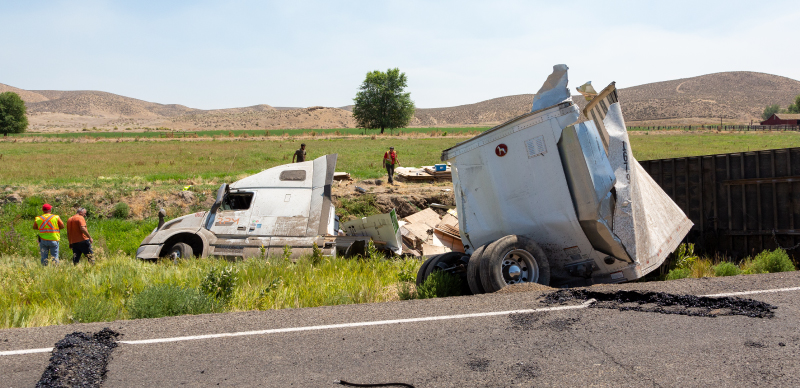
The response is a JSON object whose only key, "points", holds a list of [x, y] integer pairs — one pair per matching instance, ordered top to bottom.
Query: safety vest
{"points": [[48, 227]]}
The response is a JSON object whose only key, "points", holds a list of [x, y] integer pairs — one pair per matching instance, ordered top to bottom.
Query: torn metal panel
{"points": [[554, 90], [590, 179], [646, 220], [383, 228]]}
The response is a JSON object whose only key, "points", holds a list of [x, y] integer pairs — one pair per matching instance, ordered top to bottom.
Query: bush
{"points": [[121, 211], [769, 262], [726, 269], [679, 273], [220, 283], [440, 284], [166, 300], [94, 309]]}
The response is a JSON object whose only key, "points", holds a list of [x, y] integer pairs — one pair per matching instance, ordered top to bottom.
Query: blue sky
{"points": [[223, 54]]}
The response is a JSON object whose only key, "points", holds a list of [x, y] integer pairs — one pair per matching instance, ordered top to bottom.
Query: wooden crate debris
{"points": [[428, 234]]}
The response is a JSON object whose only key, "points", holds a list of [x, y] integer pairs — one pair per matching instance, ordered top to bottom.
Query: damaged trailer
{"points": [[545, 198], [288, 205]]}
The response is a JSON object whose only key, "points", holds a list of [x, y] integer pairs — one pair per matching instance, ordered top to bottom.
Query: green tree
{"points": [[381, 101], [795, 108], [770, 110], [13, 118]]}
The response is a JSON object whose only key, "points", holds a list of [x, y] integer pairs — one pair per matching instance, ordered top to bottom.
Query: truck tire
{"points": [[181, 251], [445, 260], [511, 260], [473, 270], [421, 273]]}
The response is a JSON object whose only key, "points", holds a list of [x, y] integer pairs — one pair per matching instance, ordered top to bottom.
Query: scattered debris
{"points": [[342, 176], [361, 189], [186, 196], [13, 198], [382, 228], [428, 234], [664, 303], [80, 360]]}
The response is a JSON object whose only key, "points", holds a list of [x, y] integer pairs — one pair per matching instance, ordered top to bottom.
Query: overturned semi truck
{"points": [[545, 198], [288, 205]]}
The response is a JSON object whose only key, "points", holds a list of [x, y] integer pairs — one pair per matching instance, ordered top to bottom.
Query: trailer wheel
{"points": [[181, 251], [511, 260], [446, 261], [474, 272], [421, 273]]}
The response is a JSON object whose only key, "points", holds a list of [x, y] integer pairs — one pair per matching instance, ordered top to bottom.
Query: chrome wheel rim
{"points": [[519, 266]]}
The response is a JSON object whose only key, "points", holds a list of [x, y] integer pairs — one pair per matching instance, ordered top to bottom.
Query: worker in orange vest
{"points": [[390, 161], [49, 227]]}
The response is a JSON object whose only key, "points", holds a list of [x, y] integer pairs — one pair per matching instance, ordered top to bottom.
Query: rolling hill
{"points": [[734, 97]]}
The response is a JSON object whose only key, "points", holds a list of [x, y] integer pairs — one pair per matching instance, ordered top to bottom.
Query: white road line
{"points": [[752, 292], [375, 323], [355, 324], [25, 351]]}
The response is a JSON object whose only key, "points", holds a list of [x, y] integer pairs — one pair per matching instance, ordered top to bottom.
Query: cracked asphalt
{"points": [[578, 347]]}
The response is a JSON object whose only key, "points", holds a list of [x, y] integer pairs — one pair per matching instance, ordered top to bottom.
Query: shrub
{"points": [[121, 211], [769, 262], [726, 269], [679, 273], [220, 283], [438, 285], [166, 300], [94, 309]]}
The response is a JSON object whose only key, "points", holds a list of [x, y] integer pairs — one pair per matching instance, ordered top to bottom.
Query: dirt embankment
{"points": [[405, 198]]}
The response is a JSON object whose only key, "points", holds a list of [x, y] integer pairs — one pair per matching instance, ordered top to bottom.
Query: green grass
{"points": [[152, 133], [660, 146], [225, 158], [176, 160], [685, 264], [121, 287]]}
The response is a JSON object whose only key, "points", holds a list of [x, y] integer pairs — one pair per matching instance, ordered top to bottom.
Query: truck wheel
{"points": [[181, 251], [450, 260], [511, 260], [473, 270], [421, 273]]}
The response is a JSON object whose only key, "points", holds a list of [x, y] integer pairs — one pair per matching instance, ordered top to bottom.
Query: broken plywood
{"points": [[427, 217]]}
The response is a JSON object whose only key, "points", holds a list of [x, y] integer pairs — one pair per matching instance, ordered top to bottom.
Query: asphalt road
{"points": [[569, 347]]}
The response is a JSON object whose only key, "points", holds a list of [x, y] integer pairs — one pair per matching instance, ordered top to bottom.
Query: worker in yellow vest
{"points": [[49, 228]]}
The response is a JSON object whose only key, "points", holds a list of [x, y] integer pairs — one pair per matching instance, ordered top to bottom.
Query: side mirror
{"points": [[161, 214]]}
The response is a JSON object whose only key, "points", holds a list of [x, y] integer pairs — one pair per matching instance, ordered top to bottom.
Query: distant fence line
{"points": [[743, 128]]}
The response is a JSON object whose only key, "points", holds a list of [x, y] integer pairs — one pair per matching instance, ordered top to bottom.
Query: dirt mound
{"points": [[524, 287]]}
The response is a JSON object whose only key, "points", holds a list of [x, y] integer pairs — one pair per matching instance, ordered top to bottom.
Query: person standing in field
{"points": [[300, 154], [390, 161], [49, 228], [79, 239]]}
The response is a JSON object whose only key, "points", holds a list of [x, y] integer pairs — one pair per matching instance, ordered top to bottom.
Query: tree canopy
{"points": [[381, 101], [795, 108], [770, 110], [13, 118]]}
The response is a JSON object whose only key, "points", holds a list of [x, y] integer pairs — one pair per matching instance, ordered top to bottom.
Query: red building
{"points": [[783, 119]]}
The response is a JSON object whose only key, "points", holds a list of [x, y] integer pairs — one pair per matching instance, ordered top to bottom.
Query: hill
{"points": [[735, 97]]}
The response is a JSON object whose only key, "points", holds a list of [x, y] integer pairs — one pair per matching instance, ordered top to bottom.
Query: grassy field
{"points": [[155, 133], [663, 145], [65, 162]]}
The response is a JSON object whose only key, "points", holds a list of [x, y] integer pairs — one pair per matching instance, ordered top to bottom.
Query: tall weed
{"points": [[769, 262], [164, 300]]}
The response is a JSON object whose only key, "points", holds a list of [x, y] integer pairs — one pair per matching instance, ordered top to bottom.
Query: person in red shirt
{"points": [[390, 161], [79, 239]]}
